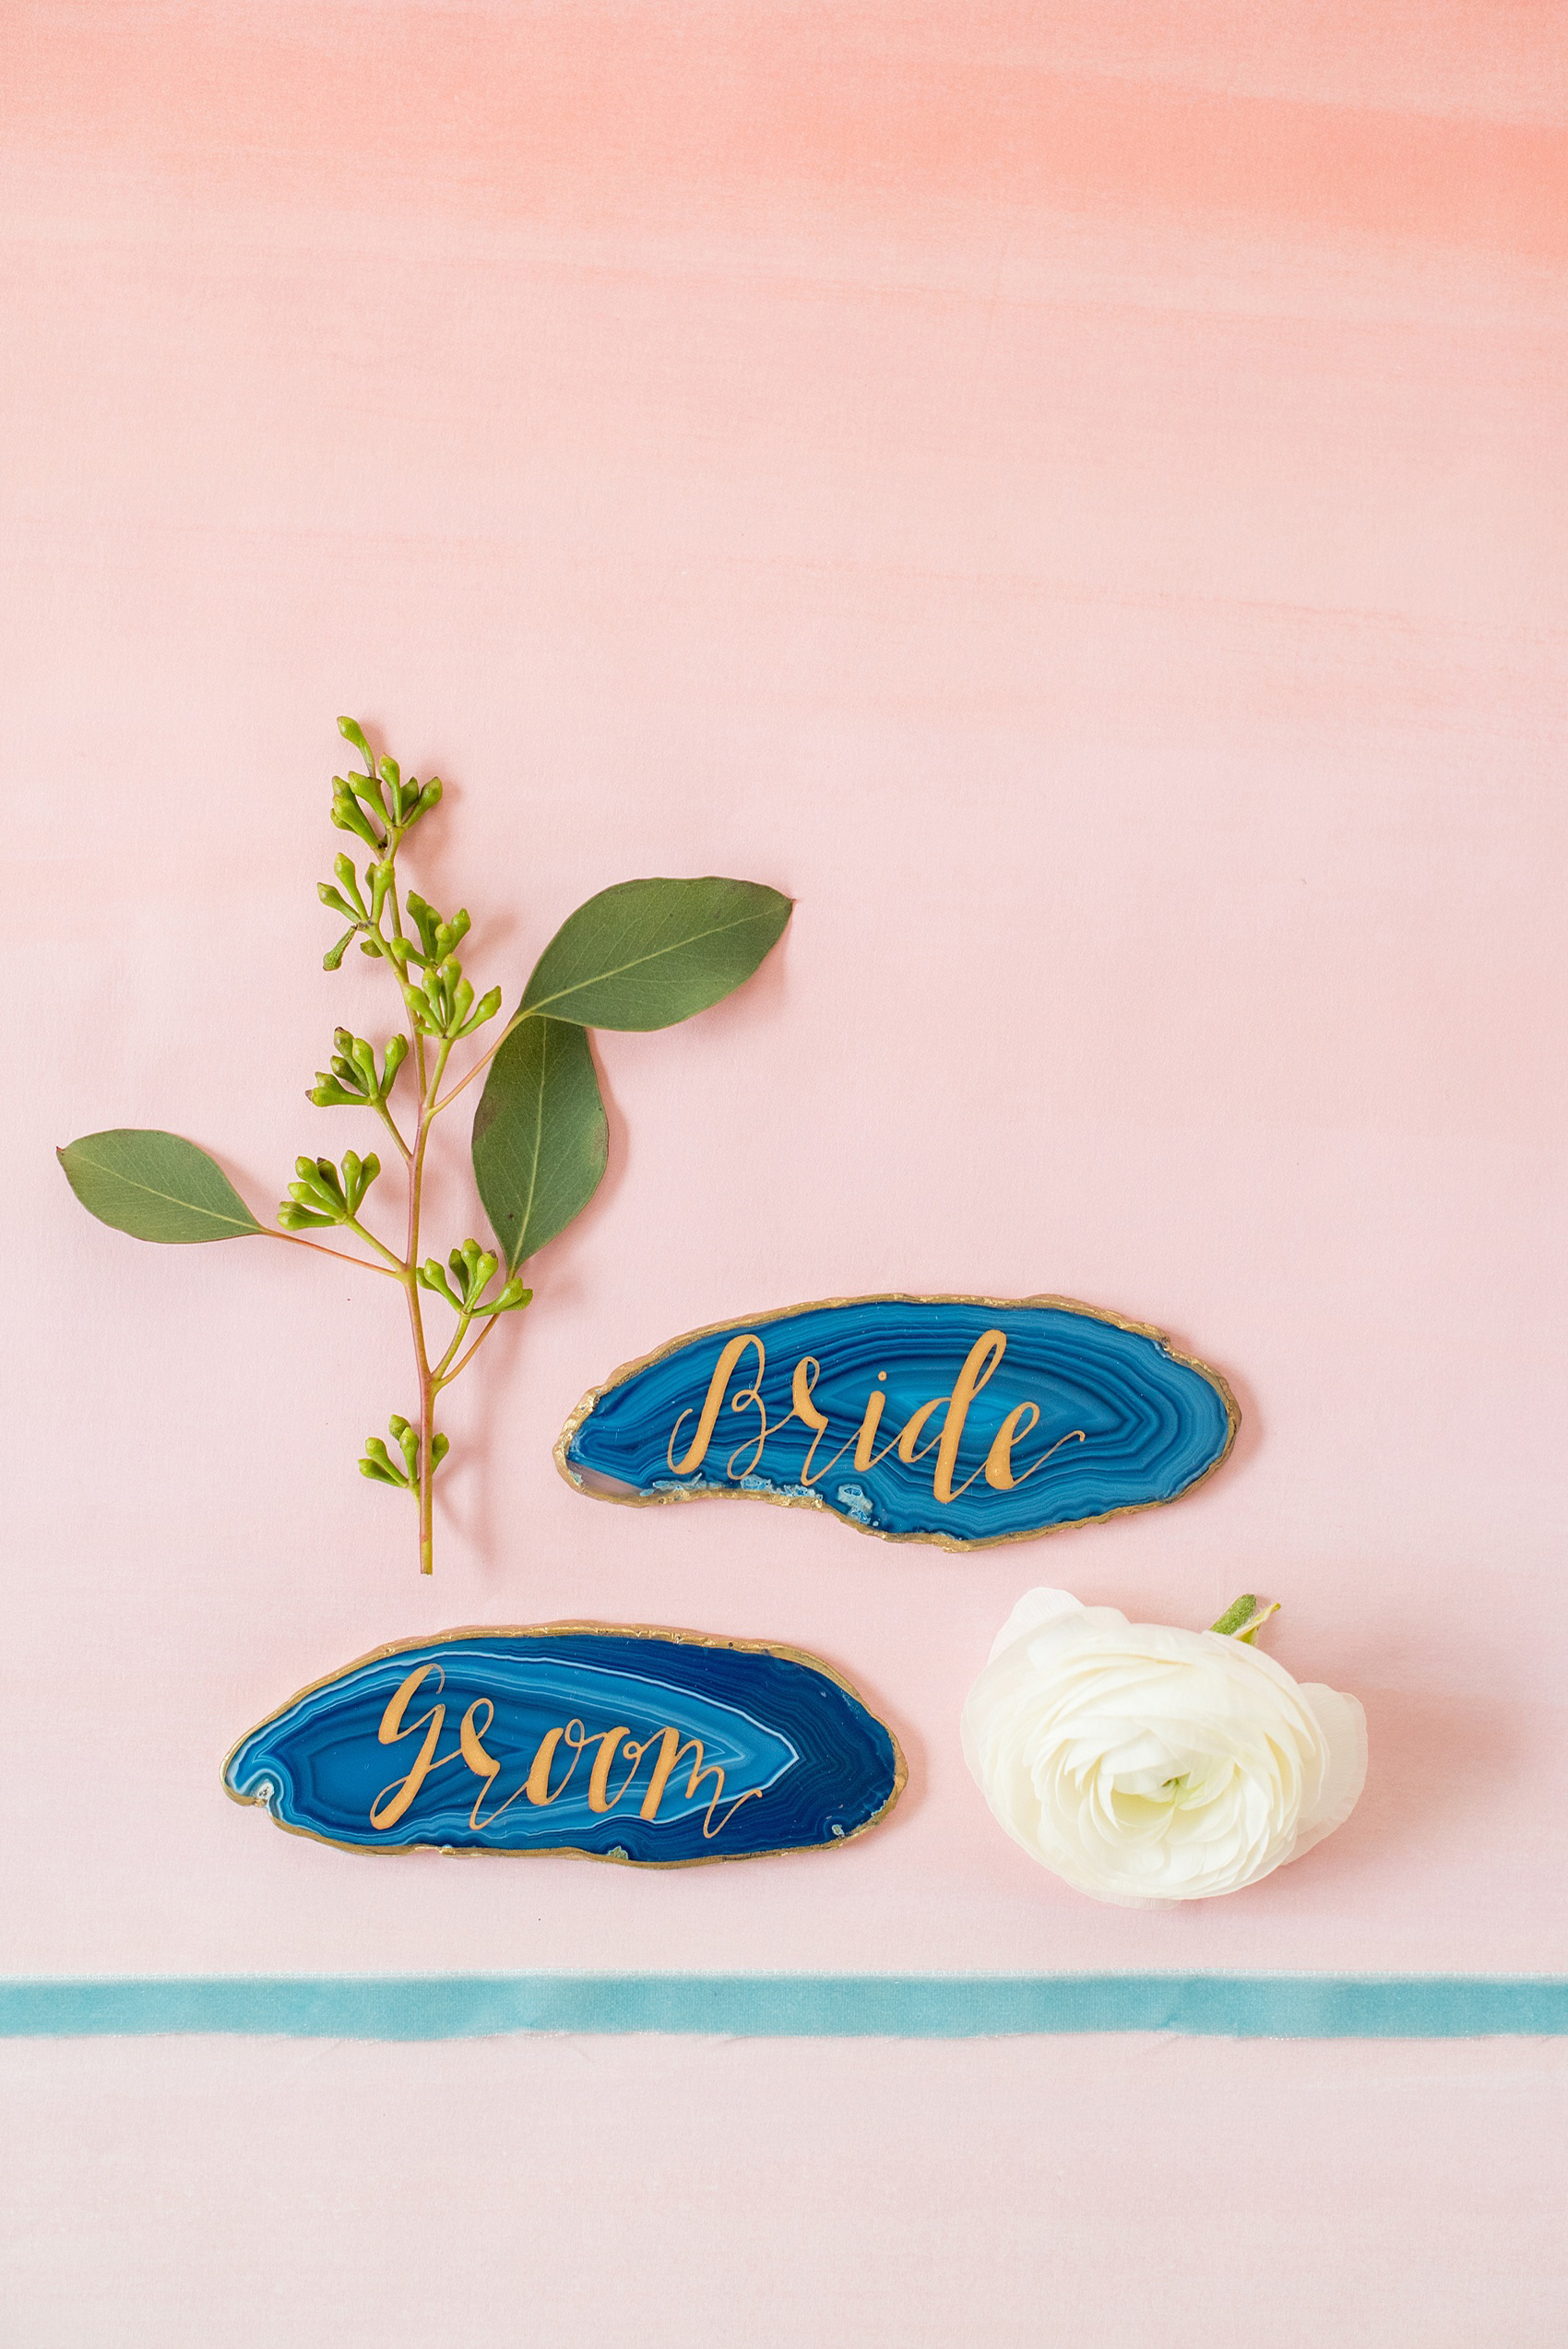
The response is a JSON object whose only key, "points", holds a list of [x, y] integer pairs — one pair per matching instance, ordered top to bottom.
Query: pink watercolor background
{"points": [[1076, 496]]}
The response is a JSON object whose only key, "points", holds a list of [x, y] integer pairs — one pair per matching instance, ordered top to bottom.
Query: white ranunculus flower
{"points": [[1144, 1763]]}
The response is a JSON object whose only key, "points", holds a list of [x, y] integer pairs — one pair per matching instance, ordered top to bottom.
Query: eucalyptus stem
{"points": [[405, 932], [639, 955], [482, 1063], [392, 1126], [294, 1240], [459, 1367], [427, 1384]]}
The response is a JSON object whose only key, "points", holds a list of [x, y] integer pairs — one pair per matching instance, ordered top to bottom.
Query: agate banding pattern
{"points": [[960, 1421], [650, 1748]]}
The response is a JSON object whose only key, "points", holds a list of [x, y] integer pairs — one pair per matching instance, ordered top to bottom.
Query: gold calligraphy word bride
{"points": [[979, 1364], [393, 1801]]}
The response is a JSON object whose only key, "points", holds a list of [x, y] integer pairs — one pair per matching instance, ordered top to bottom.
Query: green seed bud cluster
{"points": [[353, 1082], [321, 1195], [474, 1269], [377, 1463]]}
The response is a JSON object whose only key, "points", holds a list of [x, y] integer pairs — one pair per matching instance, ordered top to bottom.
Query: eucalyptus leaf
{"points": [[646, 954], [540, 1139], [155, 1186]]}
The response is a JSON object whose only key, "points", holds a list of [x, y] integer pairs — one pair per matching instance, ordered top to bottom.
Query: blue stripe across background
{"points": [[791, 2006]]}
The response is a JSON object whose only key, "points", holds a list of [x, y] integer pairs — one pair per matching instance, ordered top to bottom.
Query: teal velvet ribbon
{"points": [[789, 2006]]}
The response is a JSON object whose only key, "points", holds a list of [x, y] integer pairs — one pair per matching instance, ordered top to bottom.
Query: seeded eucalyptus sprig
{"points": [[642, 955]]}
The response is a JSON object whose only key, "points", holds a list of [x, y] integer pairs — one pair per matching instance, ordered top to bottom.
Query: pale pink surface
{"points": [[1076, 496], [1136, 2193]]}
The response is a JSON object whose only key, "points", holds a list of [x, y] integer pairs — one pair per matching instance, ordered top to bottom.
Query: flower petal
{"points": [[1034, 1608], [1343, 1725]]}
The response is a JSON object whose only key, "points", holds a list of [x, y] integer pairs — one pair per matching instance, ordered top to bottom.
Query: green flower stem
{"points": [[394, 841], [431, 1054], [484, 1059], [429, 1069], [427, 1082], [429, 1088], [391, 1125], [394, 1263], [393, 1271], [457, 1369], [440, 1372]]}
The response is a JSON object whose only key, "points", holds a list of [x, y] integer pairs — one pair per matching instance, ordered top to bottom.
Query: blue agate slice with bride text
{"points": [[953, 1420]]}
